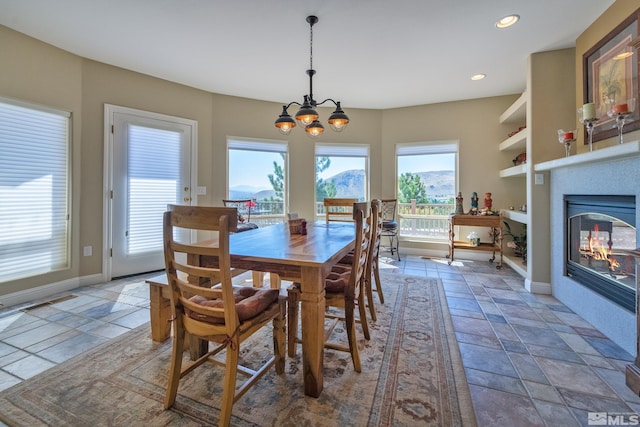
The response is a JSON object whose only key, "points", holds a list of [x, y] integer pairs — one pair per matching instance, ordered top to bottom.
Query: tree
{"points": [[277, 180], [410, 186], [324, 188]]}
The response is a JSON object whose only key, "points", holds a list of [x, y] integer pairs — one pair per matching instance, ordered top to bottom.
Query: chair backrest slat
{"points": [[339, 209], [182, 261]]}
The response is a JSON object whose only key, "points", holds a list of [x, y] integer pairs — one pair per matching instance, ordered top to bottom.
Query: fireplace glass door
{"points": [[600, 232]]}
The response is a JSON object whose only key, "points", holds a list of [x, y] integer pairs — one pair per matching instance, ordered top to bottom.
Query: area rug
{"points": [[411, 375]]}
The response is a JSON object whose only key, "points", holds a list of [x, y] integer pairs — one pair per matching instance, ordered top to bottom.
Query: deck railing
{"points": [[426, 220]]}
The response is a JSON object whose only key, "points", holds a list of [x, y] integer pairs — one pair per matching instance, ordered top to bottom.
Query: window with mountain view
{"points": [[258, 171], [341, 171], [426, 188]]}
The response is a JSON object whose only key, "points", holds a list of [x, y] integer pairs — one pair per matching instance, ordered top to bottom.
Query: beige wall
{"points": [[602, 26], [37, 72]]}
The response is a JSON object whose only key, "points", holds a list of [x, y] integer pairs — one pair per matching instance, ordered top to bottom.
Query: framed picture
{"points": [[611, 77]]}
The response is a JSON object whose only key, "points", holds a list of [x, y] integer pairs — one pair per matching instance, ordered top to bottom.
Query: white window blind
{"points": [[253, 145], [415, 149], [341, 150], [153, 172], [34, 182]]}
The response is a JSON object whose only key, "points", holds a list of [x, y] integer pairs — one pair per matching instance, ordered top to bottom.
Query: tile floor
{"points": [[529, 360]]}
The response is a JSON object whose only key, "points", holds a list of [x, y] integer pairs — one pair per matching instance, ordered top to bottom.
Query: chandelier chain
{"points": [[311, 47]]}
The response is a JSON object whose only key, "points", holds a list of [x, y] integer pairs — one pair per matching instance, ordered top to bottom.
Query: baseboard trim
{"points": [[537, 287], [45, 291]]}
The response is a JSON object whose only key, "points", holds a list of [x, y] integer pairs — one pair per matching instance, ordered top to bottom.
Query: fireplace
{"points": [[600, 229]]}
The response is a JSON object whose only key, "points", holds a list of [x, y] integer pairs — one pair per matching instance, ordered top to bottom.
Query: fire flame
{"points": [[600, 253]]}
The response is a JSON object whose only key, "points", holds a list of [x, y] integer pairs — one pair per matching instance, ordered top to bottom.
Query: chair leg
{"points": [[376, 274], [369, 290], [293, 295], [363, 313], [351, 334], [279, 338], [176, 363], [229, 388]]}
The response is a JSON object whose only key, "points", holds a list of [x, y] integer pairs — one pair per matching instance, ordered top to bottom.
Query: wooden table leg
{"points": [[160, 312], [312, 313]]}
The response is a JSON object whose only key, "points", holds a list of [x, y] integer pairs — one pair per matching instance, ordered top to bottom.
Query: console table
{"points": [[491, 221]]}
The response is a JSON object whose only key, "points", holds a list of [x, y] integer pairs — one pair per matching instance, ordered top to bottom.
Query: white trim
{"points": [[107, 178], [537, 287], [34, 295]]}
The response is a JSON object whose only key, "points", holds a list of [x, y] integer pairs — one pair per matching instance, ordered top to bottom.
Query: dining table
{"points": [[303, 258]]}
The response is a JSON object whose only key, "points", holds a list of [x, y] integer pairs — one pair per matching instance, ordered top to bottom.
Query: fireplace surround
{"points": [[611, 170]]}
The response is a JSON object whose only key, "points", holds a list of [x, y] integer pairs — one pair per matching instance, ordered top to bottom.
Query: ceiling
{"points": [[375, 54]]}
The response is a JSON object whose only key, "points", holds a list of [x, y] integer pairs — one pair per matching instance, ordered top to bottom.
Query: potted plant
{"points": [[519, 241]]}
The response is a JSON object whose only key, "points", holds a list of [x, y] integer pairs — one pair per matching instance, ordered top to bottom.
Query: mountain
{"points": [[439, 183], [351, 184]]}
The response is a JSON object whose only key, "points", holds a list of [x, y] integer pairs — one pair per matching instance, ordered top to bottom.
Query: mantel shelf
{"points": [[626, 150]]}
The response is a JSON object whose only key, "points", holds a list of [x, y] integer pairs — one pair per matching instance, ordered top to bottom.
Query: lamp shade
{"points": [[306, 114], [338, 119], [285, 122], [314, 129]]}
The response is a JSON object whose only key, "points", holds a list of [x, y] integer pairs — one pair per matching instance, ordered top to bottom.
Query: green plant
{"points": [[519, 241]]}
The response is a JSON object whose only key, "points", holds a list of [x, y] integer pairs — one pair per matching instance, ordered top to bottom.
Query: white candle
{"points": [[589, 111]]}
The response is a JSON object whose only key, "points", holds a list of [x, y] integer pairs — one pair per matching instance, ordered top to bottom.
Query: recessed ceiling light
{"points": [[507, 21], [478, 76]]}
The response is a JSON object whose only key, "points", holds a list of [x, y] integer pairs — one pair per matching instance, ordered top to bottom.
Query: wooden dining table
{"points": [[306, 259]]}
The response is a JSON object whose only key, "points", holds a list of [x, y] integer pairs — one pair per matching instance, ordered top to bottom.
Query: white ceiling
{"points": [[368, 53]]}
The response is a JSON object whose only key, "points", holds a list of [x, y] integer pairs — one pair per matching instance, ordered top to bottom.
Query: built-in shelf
{"points": [[517, 112], [517, 142], [626, 150], [520, 170], [517, 216], [516, 264]]}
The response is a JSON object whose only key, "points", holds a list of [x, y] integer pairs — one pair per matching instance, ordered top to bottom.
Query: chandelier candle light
{"points": [[307, 115]]}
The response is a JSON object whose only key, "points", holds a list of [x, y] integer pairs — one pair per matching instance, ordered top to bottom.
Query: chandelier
{"points": [[307, 115]]}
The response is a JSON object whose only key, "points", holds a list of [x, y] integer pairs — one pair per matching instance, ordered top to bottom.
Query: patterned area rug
{"points": [[412, 374]]}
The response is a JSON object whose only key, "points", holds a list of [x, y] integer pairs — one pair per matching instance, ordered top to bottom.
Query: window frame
{"points": [[268, 146], [426, 148], [325, 149], [64, 217]]}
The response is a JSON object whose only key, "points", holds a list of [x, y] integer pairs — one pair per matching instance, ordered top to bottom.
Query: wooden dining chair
{"points": [[339, 209], [372, 271], [343, 289], [206, 305]]}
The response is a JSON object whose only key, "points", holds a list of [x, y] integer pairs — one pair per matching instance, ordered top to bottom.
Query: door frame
{"points": [[107, 187]]}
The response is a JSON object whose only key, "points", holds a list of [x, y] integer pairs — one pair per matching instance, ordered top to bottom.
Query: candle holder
{"points": [[621, 113], [589, 123], [566, 137]]}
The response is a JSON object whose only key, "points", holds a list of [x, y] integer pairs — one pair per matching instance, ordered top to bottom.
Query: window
{"points": [[258, 171], [341, 171], [426, 188], [34, 190]]}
